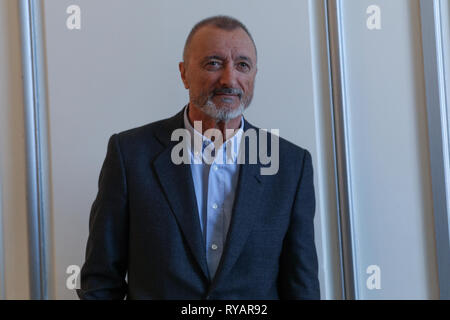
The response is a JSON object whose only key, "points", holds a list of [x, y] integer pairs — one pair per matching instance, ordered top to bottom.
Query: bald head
{"points": [[221, 22]]}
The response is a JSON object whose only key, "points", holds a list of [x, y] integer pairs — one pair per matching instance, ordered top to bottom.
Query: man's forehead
{"points": [[210, 40]]}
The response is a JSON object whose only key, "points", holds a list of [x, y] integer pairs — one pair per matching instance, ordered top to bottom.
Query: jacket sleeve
{"points": [[103, 273], [298, 277]]}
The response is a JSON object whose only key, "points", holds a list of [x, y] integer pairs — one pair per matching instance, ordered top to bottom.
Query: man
{"points": [[199, 229]]}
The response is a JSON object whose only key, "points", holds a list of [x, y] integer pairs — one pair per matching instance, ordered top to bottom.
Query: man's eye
{"points": [[212, 65], [243, 65]]}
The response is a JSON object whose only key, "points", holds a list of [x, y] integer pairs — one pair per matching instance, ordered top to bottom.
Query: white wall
{"points": [[389, 156]]}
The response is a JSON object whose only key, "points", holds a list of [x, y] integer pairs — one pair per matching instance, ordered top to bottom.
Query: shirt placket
{"points": [[215, 223]]}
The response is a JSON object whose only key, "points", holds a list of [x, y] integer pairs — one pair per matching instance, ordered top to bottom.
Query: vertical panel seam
{"points": [[341, 148]]}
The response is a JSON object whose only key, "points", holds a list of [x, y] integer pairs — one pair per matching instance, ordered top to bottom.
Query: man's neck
{"points": [[195, 114]]}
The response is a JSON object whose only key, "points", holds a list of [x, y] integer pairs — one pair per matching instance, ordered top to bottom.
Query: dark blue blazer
{"points": [[145, 240]]}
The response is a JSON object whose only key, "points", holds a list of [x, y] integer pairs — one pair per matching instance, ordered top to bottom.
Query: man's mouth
{"points": [[228, 93], [227, 97]]}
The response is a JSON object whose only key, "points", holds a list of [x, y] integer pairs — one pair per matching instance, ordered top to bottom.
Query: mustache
{"points": [[230, 91]]}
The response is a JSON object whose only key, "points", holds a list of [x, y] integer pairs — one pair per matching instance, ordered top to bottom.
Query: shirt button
{"points": [[216, 168], [214, 206], [214, 246]]}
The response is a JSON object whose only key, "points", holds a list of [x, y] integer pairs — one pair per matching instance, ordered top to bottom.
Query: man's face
{"points": [[220, 72]]}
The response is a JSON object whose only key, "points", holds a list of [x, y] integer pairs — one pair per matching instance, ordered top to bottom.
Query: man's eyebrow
{"points": [[213, 57], [244, 58]]}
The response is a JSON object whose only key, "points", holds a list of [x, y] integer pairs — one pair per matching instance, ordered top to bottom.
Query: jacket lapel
{"points": [[177, 184], [246, 209]]}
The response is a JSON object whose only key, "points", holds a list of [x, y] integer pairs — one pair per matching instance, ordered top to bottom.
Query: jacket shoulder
{"points": [[147, 132]]}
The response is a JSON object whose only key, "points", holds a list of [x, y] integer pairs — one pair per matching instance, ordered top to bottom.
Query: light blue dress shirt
{"points": [[215, 175]]}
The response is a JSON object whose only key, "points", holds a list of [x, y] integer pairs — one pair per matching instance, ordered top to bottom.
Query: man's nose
{"points": [[228, 78]]}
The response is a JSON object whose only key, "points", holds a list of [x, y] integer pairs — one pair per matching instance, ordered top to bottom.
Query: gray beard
{"points": [[222, 114]]}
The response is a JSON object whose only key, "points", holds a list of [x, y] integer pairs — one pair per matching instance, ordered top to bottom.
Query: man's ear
{"points": [[182, 67]]}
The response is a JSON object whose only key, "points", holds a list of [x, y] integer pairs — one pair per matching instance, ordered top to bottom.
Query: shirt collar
{"points": [[230, 147]]}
